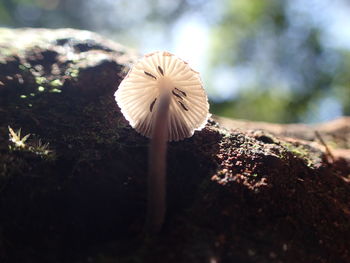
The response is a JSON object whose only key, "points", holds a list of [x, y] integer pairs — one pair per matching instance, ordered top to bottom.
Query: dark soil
{"points": [[75, 190]]}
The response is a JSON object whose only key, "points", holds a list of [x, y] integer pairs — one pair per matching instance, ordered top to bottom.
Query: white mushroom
{"points": [[138, 96], [162, 98]]}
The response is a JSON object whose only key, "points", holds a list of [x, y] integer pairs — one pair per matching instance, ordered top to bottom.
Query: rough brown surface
{"points": [[234, 195]]}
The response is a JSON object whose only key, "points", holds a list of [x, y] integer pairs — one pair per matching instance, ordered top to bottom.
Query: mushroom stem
{"points": [[157, 166]]}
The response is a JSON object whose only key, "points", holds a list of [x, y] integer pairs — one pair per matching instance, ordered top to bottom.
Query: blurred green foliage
{"points": [[279, 64], [295, 71]]}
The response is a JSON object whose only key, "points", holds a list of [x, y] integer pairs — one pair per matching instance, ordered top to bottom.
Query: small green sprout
{"points": [[15, 137], [37, 147], [41, 148]]}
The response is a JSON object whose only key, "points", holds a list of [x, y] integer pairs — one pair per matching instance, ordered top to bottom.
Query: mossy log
{"points": [[74, 190]]}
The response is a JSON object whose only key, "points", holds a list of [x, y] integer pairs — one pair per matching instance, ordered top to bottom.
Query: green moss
{"points": [[6, 52], [22, 67], [73, 72], [40, 80], [56, 83], [41, 89], [55, 90], [300, 151]]}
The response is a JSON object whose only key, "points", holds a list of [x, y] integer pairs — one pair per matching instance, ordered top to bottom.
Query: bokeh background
{"points": [[267, 60]]}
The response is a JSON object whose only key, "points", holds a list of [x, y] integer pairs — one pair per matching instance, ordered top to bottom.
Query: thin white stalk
{"points": [[157, 166]]}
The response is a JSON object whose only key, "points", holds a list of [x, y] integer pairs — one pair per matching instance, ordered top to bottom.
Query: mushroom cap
{"points": [[138, 95]]}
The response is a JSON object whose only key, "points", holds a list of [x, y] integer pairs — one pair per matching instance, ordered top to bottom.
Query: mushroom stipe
{"points": [[163, 99]]}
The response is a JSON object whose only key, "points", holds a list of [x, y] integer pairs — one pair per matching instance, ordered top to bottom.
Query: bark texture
{"points": [[75, 189]]}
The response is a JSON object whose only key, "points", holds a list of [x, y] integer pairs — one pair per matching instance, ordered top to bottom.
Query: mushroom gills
{"points": [[161, 70], [150, 75], [182, 92], [177, 95], [152, 105], [183, 105]]}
